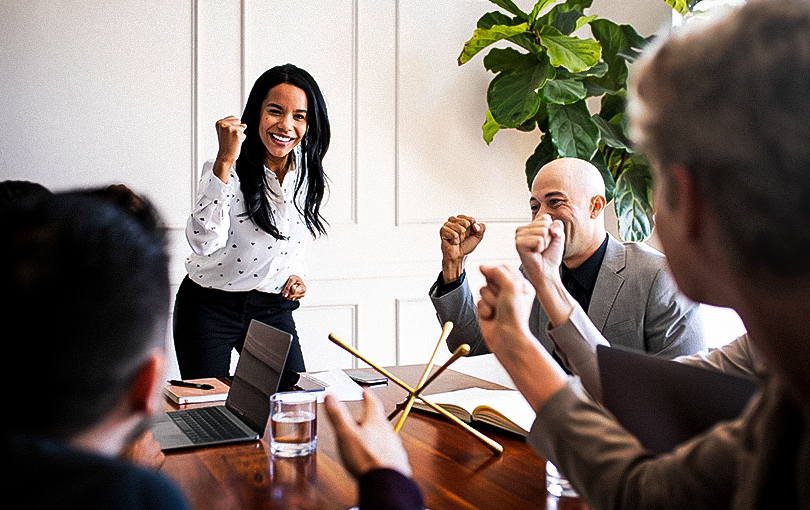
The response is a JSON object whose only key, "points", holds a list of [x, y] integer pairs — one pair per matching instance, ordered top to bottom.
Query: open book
{"points": [[505, 409]]}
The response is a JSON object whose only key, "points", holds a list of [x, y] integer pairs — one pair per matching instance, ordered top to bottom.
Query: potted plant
{"points": [[547, 82]]}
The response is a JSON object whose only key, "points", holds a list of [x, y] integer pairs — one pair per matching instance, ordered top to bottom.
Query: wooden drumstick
{"points": [[446, 329], [462, 350], [494, 446]]}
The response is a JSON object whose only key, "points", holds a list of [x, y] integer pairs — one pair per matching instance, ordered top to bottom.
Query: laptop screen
{"points": [[258, 374]]}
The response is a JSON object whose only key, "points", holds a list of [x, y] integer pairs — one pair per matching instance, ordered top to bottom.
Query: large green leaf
{"points": [[570, 5], [510, 7], [538, 7], [493, 18], [584, 20], [571, 21], [566, 22], [483, 37], [613, 40], [634, 40], [527, 41], [636, 43], [572, 53], [507, 59], [599, 69], [598, 89], [562, 91], [550, 95], [513, 97], [613, 105], [542, 118], [530, 124], [490, 127], [573, 131], [612, 134], [543, 153], [615, 159], [610, 184], [633, 208]]}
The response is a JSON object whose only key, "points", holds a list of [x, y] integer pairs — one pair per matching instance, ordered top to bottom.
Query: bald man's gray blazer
{"points": [[635, 304]]}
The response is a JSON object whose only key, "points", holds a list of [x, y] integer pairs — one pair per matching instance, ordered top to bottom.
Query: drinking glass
{"points": [[293, 423], [556, 484]]}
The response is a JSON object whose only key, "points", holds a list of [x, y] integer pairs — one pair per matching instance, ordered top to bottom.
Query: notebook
{"points": [[182, 395], [665, 403], [247, 408], [503, 409]]}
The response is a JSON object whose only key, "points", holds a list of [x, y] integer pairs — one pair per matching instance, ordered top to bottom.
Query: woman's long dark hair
{"points": [[250, 164]]}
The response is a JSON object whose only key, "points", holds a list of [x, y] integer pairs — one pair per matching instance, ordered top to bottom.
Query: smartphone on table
{"points": [[368, 377]]}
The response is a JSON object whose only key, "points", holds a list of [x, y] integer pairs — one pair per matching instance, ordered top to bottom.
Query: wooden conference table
{"points": [[453, 469]]}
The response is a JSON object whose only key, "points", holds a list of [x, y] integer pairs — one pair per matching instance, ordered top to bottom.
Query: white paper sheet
{"points": [[338, 384]]}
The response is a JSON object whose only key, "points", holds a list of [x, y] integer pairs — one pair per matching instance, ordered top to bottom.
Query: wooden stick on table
{"points": [[446, 329], [462, 350], [492, 445]]}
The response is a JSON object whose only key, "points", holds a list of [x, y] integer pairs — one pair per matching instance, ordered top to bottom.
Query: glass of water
{"points": [[293, 423], [557, 484]]}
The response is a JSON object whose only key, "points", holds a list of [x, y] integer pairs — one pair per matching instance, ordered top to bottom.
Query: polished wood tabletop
{"points": [[453, 469]]}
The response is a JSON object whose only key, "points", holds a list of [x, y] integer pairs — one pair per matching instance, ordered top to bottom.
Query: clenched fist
{"points": [[460, 235]]}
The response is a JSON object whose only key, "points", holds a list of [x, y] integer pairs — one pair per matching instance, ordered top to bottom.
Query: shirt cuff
{"points": [[215, 188], [440, 288], [575, 341]]}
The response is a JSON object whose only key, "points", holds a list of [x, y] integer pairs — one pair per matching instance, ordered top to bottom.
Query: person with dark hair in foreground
{"points": [[723, 114], [15, 193], [86, 290], [86, 302]]}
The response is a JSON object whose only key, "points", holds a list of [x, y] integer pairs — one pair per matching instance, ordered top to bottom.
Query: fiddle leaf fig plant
{"points": [[545, 79]]}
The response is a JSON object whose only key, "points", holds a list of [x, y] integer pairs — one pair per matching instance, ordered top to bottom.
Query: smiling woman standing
{"points": [[257, 205]]}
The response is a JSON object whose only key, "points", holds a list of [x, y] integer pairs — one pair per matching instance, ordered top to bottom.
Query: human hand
{"points": [[231, 134], [460, 235], [540, 245], [294, 289], [504, 307], [503, 315], [368, 443], [144, 451]]}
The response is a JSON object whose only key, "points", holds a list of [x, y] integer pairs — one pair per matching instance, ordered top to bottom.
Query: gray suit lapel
{"points": [[608, 283]]}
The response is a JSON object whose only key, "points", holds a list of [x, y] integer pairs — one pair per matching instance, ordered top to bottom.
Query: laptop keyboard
{"points": [[206, 424]]}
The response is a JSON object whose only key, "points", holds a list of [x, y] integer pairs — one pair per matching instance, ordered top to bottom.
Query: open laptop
{"points": [[665, 403], [245, 413]]}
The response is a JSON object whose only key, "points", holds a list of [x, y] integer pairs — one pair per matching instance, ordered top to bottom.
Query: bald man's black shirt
{"points": [[581, 281]]}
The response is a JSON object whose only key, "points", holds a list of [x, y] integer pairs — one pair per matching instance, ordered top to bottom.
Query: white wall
{"points": [[128, 92]]}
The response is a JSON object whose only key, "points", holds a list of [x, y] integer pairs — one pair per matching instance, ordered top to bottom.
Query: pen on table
{"points": [[185, 384]]}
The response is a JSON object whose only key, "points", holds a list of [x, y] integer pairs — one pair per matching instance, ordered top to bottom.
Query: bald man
{"points": [[625, 288]]}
